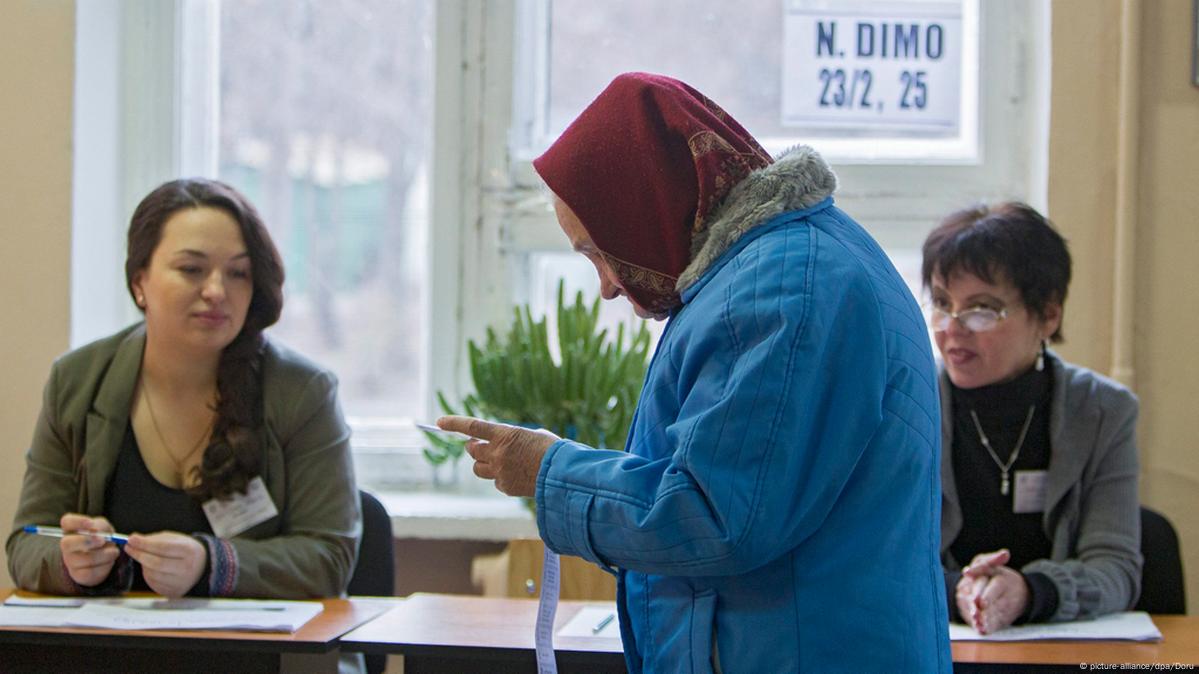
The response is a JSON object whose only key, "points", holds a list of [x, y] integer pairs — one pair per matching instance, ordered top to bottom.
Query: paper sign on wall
{"points": [[895, 66]]}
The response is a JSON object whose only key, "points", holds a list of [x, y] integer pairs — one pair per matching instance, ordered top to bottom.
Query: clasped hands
{"points": [[508, 454], [172, 563], [990, 596]]}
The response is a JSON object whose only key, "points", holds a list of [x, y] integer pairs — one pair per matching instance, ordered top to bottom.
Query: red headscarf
{"points": [[642, 167]]}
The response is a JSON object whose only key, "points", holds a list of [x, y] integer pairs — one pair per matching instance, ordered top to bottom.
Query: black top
{"points": [[137, 502], [989, 522]]}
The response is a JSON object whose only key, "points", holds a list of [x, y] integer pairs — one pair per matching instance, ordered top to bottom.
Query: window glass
{"points": [[696, 43], [734, 52], [325, 123], [577, 274]]}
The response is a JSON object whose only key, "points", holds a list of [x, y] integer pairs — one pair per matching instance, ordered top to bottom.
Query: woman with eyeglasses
{"points": [[1039, 459]]}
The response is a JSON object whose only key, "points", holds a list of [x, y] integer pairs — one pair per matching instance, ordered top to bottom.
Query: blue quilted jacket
{"points": [[778, 506]]}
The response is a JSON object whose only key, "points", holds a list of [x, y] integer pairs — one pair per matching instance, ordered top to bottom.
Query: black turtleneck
{"points": [[989, 522]]}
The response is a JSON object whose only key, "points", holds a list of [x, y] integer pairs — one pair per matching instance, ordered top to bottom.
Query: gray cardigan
{"points": [[1092, 512]]}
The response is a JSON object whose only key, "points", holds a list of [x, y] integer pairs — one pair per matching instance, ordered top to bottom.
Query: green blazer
{"points": [[308, 550]]}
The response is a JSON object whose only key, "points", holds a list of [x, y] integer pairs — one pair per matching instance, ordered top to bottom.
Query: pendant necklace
{"points": [[179, 462], [1004, 483]]}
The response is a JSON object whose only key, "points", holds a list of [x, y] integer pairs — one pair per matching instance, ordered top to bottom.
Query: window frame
{"points": [[145, 104], [147, 111]]}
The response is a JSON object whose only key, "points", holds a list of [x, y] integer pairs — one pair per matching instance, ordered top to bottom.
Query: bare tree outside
{"points": [[326, 124]]}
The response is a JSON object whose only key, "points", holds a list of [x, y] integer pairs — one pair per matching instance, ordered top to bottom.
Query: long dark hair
{"points": [[231, 459]]}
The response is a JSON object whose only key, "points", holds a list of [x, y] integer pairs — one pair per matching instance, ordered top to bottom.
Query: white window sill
{"points": [[469, 509], [450, 515]]}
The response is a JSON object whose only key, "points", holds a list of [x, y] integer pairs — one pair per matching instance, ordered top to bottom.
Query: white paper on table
{"points": [[44, 602], [148, 613], [34, 616], [585, 621], [1127, 626]]}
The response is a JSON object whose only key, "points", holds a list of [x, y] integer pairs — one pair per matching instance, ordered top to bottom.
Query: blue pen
{"points": [[119, 539], [599, 627]]}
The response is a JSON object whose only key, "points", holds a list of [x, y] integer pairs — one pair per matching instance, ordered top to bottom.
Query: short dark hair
{"points": [[1011, 242], [231, 459]]}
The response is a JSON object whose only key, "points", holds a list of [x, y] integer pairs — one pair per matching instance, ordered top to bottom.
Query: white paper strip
{"points": [[547, 607]]}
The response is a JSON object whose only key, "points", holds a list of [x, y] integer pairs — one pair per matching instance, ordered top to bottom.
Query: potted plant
{"points": [[588, 393]]}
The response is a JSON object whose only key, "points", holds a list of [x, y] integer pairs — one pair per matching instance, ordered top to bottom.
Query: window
{"points": [[756, 59], [321, 112], [325, 123], [388, 144], [897, 184]]}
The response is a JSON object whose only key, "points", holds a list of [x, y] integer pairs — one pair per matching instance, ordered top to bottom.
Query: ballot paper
{"points": [[547, 608], [150, 613], [593, 621], [1128, 626]]}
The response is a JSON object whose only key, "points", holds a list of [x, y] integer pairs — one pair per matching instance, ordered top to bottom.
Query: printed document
{"points": [[156, 613], [1128, 626]]}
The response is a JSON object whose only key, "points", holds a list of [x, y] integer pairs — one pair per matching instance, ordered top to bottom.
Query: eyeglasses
{"points": [[974, 319]]}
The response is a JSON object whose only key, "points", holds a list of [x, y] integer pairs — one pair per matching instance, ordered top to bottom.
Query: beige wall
{"points": [[37, 56], [1082, 167], [1163, 174], [1167, 312]]}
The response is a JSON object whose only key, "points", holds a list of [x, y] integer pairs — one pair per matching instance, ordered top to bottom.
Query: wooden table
{"points": [[444, 633], [1179, 646], [311, 648]]}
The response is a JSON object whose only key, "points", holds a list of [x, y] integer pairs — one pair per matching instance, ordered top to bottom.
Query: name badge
{"points": [[1030, 492], [242, 511]]}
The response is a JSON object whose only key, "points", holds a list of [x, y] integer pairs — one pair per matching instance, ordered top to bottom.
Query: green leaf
{"points": [[590, 391]]}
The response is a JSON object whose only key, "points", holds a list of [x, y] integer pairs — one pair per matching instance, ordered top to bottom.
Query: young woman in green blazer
{"points": [[222, 454]]}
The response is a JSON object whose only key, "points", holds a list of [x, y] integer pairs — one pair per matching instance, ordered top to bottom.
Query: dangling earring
{"points": [[1041, 357]]}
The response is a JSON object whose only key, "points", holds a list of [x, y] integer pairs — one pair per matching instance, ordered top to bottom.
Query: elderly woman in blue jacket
{"points": [[1040, 464], [777, 508]]}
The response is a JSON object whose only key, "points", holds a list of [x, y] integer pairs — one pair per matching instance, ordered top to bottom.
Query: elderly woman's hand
{"points": [[510, 455], [991, 595]]}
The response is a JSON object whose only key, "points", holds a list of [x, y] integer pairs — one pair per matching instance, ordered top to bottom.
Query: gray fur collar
{"points": [[799, 178]]}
